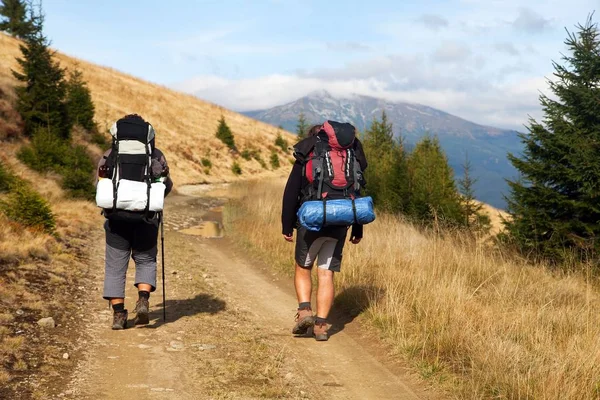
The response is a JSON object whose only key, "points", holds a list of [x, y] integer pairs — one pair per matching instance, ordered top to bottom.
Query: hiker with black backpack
{"points": [[133, 180], [322, 199]]}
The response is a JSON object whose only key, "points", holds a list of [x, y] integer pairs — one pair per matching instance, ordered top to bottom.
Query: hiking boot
{"points": [[142, 308], [119, 320], [304, 321], [320, 332]]}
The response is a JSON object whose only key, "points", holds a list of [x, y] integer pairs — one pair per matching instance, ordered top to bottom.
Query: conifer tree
{"points": [[14, 18], [42, 96], [80, 106], [302, 126], [225, 135], [281, 142], [387, 175], [432, 188], [554, 205]]}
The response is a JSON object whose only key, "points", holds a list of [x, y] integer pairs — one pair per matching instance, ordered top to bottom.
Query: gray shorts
{"points": [[325, 246]]}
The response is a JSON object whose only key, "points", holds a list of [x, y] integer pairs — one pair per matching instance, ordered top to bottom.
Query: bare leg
{"points": [[303, 284], [144, 287], [325, 292], [116, 301]]}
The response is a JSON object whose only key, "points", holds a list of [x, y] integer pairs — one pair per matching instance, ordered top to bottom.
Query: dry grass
{"points": [[185, 125], [38, 275], [479, 324]]}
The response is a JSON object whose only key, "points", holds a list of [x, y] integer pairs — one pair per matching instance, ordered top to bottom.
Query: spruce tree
{"points": [[15, 19], [42, 96], [80, 106], [301, 127], [225, 135], [281, 142], [387, 180], [432, 188], [554, 205]]}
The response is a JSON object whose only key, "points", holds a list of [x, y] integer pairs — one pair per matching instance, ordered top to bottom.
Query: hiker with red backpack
{"points": [[133, 180], [322, 199]]}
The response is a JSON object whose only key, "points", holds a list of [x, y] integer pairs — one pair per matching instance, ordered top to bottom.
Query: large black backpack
{"points": [[130, 163]]}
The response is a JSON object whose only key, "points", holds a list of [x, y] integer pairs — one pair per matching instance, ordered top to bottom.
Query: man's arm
{"points": [[161, 168], [291, 197]]}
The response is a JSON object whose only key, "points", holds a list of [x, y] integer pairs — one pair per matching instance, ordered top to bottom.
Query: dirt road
{"points": [[227, 333]]}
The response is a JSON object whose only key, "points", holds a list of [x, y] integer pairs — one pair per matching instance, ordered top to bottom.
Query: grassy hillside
{"points": [[185, 125], [41, 275], [477, 321]]}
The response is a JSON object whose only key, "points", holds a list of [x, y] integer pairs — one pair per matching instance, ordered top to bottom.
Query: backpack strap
{"points": [[319, 164], [116, 171], [148, 177]]}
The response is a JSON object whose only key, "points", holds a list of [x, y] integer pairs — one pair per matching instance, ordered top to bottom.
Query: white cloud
{"points": [[433, 21], [530, 21], [348, 46], [507, 48], [451, 52], [502, 105]]}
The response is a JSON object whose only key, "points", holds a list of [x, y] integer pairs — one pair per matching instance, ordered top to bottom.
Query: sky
{"points": [[483, 60]]}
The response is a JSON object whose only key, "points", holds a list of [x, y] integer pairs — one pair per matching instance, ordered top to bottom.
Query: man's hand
{"points": [[288, 238], [355, 240]]}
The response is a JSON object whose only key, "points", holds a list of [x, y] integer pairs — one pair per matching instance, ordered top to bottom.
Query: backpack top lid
{"points": [[133, 128], [339, 135]]}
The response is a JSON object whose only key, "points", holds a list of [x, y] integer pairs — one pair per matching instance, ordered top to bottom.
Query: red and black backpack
{"points": [[331, 168]]}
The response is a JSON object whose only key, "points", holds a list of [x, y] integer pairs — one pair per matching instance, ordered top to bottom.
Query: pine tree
{"points": [[15, 20], [42, 97], [80, 106], [301, 127], [225, 135], [281, 142], [387, 175], [432, 188], [554, 204]]}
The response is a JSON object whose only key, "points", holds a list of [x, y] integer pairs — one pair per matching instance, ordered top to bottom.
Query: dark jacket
{"points": [[292, 195]]}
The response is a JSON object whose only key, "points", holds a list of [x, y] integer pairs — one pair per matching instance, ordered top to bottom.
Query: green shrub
{"points": [[225, 135], [102, 140], [281, 142], [48, 152], [246, 155], [275, 161], [262, 162], [206, 163], [236, 169], [6, 178], [79, 184], [27, 207]]}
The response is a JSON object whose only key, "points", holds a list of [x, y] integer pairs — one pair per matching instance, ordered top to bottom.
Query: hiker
{"points": [[138, 173], [326, 245]]}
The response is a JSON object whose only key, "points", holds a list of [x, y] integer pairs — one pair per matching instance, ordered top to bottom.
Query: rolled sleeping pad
{"points": [[131, 195], [339, 213]]}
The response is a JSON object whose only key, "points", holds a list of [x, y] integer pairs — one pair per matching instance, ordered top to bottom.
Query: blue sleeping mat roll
{"points": [[339, 213]]}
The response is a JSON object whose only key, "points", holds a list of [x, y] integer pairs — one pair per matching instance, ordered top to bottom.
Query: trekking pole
{"points": [[162, 252]]}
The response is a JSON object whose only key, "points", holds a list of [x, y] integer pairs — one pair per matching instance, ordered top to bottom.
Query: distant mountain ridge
{"points": [[486, 146]]}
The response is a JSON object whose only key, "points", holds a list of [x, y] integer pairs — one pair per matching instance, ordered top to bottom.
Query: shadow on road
{"points": [[349, 304], [176, 309]]}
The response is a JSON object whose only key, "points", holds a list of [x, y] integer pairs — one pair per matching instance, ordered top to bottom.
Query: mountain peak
{"points": [[319, 94], [486, 146]]}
